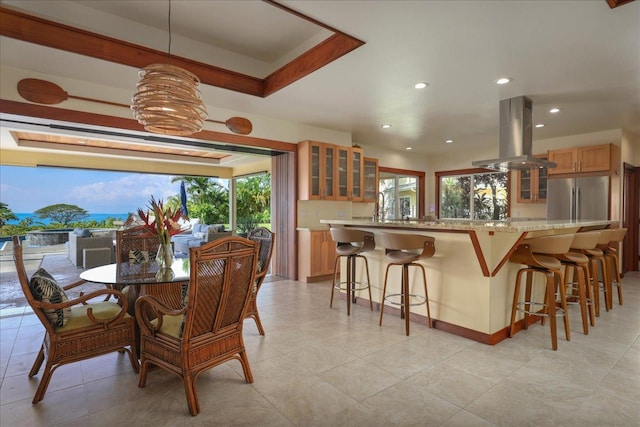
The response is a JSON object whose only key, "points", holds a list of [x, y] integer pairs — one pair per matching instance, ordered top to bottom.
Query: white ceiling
{"points": [[580, 56]]}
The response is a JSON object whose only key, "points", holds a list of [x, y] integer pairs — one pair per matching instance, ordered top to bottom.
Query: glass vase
{"points": [[165, 258]]}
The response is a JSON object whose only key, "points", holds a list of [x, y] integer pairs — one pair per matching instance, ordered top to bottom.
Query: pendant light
{"points": [[168, 99]]}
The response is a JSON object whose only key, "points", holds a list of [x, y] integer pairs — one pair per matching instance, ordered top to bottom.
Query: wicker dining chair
{"points": [[265, 239], [136, 242], [137, 248], [75, 329], [207, 331]]}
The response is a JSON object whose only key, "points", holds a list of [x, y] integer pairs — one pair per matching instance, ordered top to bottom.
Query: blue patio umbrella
{"points": [[183, 201]]}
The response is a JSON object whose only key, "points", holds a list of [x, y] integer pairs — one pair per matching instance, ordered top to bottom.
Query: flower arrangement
{"points": [[164, 222]]}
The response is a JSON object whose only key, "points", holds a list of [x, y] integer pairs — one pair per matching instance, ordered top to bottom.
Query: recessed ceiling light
{"points": [[504, 80], [421, 85], [554, 110], [540, 125], [385, 126], [449, 141], [409, 148]]}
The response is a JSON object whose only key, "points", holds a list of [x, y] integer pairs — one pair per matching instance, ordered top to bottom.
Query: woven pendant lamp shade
{"points": [[168, 101]]}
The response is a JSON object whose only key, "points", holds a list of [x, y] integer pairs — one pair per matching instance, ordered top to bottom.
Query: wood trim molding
{"points": [[615, 3], [43, 32], [317, 57], [61, 114], [401, 171], [476, 247], [506, 257], [481, 337]]}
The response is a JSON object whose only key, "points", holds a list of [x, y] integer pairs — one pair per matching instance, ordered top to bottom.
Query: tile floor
{"points": [[316, 366]]}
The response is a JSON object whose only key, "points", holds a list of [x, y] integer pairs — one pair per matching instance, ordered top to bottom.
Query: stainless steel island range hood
{"points": [[516, 136]]}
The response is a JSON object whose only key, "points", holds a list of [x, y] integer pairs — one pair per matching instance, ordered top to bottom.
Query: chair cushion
{"points": [[138, 257], [45, 289], [79, 318], [171, 325]]}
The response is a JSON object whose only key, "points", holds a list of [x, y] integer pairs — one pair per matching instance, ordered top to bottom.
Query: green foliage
{"points": [[253, 195], [489, 196], [207, 199], [454, 202], [6, 214], [62, 214], [246, 224]]}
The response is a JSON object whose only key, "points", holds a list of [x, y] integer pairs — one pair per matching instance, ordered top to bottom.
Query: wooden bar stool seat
{"points": [[351, 243], [404, 250], [537, 254]]}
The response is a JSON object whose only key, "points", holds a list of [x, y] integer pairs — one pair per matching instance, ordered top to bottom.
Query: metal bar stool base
{"points": [[351, 286]]}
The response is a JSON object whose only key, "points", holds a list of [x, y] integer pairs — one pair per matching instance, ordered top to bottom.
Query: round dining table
{"points": [[137, 279]]}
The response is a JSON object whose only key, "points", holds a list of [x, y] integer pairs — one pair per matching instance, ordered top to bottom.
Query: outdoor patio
{"points": [[53, 258]]}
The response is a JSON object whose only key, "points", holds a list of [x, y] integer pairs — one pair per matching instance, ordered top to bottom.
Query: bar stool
{"points": [[351, 243], [608, 243], [404, 250], [536, 254], [578, 263], [598, 263]]}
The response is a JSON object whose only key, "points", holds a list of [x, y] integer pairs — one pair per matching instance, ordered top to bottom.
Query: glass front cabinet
{"points": [[532, 184]]}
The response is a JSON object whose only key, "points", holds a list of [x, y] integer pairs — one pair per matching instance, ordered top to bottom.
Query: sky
{"points": [[26, 189]]}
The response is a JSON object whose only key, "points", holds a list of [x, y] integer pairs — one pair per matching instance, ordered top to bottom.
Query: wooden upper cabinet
{"points": [[595, 158], [328, 160], [566, 160], [317, 166], [331, 172], [343, 173], [357, 174], [371, 177], [532, 184]]}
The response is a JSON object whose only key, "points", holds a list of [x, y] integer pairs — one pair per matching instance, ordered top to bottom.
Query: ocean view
{"points": [[91, 217]]}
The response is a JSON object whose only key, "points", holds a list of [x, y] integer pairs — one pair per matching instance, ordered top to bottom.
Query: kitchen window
{"points": [[400, 194], [473, 194]]}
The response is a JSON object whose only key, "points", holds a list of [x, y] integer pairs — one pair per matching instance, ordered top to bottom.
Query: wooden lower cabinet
{"points": [[316, 255]]}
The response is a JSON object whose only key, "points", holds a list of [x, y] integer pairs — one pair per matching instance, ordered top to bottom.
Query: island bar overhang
{"points": [[470, 279]]}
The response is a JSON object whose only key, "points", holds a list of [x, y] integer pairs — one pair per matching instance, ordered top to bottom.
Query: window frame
{"points": [[471, 171]]}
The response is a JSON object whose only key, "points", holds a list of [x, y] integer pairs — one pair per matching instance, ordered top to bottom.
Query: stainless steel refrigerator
{"points": [[574, 199]]}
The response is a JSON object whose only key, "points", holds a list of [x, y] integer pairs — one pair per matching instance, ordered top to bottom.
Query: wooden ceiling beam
{"points": [[615, 3], [43, 32]]}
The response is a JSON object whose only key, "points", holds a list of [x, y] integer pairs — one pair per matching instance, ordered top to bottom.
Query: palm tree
{"points": [[208, 199], [6, 214]]}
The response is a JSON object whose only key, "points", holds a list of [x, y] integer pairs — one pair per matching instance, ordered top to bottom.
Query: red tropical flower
{"points": [[161, 221]]}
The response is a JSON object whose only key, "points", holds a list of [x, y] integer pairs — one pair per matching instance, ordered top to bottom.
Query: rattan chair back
{"points": [[135, 239], [265, 239], [210, 324]]}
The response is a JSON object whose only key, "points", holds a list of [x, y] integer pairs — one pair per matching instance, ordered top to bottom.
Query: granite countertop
{"points": [[513, 226]]}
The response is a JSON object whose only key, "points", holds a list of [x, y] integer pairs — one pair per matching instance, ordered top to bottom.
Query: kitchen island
{"points": [[470, 278]]}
